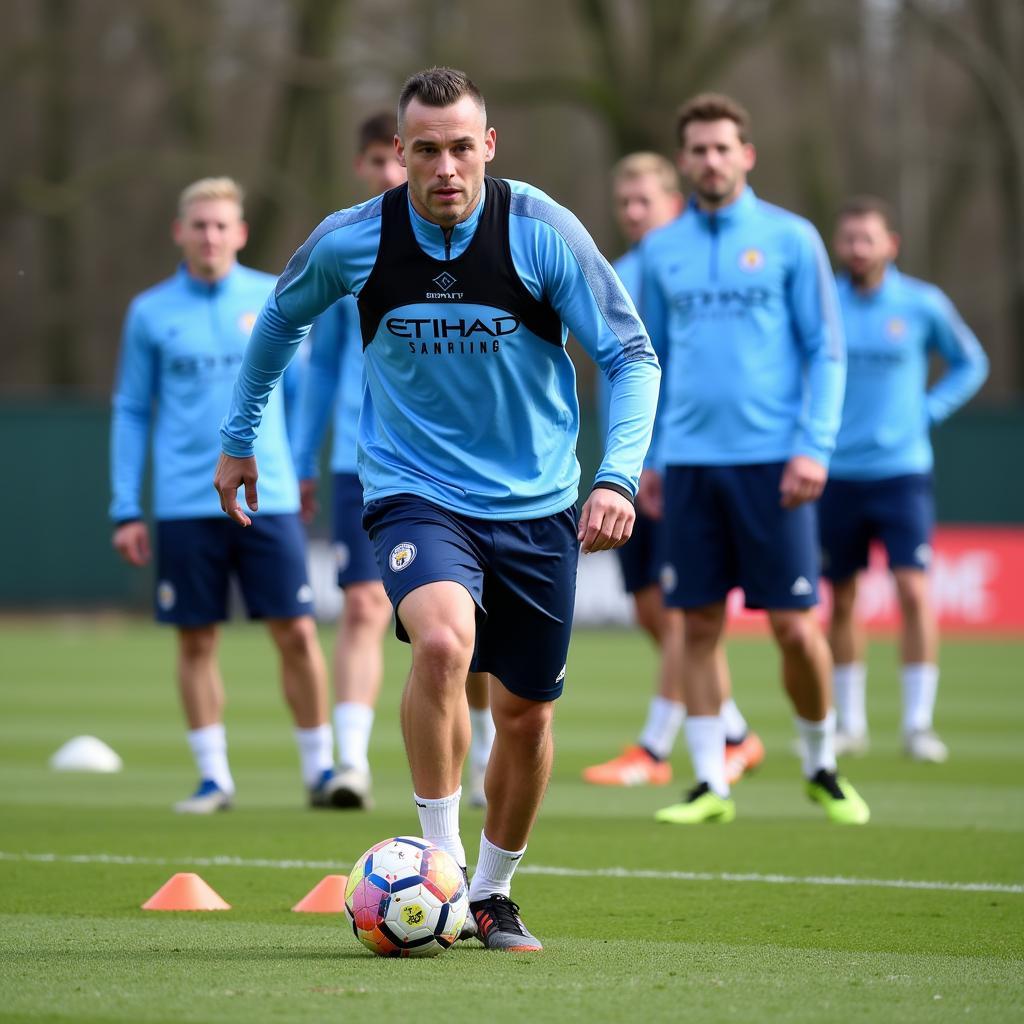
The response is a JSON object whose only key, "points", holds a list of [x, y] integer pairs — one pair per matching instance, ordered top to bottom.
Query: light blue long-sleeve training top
{"points": [[627, 266], [741, 306], [891, 333], [182, 344], [333, 379], [456, 410]]}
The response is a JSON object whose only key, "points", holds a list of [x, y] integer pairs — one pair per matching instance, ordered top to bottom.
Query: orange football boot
{"points": [[743, 757], [633, 767]]}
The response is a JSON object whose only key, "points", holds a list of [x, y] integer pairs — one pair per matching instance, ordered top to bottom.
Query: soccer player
{"points": [[645, 193], [466, 285], [740, 303], [182, 344], [334, 376], [880, 485]]}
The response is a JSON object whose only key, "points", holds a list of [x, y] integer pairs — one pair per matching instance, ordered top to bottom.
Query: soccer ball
{"points": [[406, 898]]}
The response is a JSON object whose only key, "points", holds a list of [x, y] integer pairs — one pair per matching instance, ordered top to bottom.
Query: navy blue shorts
{"points": [[898, 510], [724, 528], [352, 548], [640, 557], [196, 559], [521, 574]]}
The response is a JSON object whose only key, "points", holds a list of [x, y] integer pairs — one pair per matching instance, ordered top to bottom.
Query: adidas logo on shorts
{"points": [[801, 587]]}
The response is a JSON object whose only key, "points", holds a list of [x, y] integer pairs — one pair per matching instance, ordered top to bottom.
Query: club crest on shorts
{"points": [[402, 556], [165, 595]]}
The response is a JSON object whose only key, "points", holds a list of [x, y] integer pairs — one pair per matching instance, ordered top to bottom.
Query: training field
{"points": [[777, 917]]}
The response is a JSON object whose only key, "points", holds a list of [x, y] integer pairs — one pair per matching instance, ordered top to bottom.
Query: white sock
{"points": [[849, 681], [920, 684], [664, 720], [733, 720], [352, 726], [705, 735], [482, 737], [818, 741], [210, 750], [315, 750], [439, 820], [494, 870]]}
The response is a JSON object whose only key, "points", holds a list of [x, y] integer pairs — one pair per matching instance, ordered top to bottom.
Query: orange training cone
{"points": [[185, 891], [326, 897]]}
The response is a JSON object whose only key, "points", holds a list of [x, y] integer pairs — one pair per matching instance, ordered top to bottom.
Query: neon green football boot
{"points": [[842, 803], [700, 805]]}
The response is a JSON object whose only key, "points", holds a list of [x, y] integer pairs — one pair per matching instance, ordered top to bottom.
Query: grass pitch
{"points": [[777, 917]]}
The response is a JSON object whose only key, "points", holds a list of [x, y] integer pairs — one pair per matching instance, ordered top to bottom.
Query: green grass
{"points": [[74, 945]]}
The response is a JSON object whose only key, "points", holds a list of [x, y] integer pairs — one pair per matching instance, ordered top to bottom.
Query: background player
{"points": [[645, 194], [466, 286], [740, 302], [183, 340], [334, 378], [880, 485]]}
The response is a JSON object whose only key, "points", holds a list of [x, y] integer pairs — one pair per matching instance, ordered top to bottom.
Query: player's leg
{"points": [[907, 523], [845, 527], [779, 559], [270, 561], [431, 567], [698, 572], [529, 592], [192, 594], [440, 620], [358, 661], [849, 676], [481, 724], [645, 762]]}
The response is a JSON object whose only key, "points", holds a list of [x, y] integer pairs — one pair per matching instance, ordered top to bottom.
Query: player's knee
{"points": [[913, 592], [844, 596], [366, 607], [703, 628], [796, 633], [295, 638], [197, 645], [443, 651], [527, 723]]}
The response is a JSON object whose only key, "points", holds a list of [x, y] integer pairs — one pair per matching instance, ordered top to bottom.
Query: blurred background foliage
{"points": [[112, 106]]}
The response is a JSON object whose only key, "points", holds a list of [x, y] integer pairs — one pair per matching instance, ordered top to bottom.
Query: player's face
{"points": [[444, 150], [715, 161], [378, 167], [642, 204], [210, 235], [864, 247]]}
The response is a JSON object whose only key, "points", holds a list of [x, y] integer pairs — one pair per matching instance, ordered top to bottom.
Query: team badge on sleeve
{"points": [[402, 556]]}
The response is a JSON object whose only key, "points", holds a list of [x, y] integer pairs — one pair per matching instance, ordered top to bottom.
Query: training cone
{"points": [[85, 754], [185, 891], [326, 897]]}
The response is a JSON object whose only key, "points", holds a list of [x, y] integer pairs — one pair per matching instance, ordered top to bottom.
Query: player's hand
{"points": [[230, 475], [803, 480], [650, 498], [308, 505], [606, 521], [131, 542]]}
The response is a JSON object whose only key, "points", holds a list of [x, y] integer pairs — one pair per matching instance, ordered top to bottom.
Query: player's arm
{"points": [[315, 277], [592, 302], [814, 310], [654, 313], [966, 362], [316, 400], [131, 416]]}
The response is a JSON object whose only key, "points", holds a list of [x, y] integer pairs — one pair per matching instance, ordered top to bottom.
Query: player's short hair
{"points": [[438, 87], [713, 106], [377, 128], [639, 165], [211, 188], [865, 205]]}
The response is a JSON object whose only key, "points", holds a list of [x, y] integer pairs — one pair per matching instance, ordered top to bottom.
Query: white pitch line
{"points": [[533, 869]]}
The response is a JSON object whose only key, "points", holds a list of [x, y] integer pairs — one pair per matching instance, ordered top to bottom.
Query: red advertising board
{"points": [[977, 583]]}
